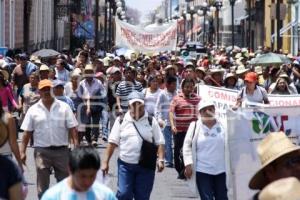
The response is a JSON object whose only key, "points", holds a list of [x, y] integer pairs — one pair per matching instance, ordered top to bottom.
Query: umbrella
{"points": [[228, 49], [44, 53], [270, 59]]}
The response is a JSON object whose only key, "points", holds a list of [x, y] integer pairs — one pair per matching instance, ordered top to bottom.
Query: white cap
{"points": [[135, 96], [204, 104]]}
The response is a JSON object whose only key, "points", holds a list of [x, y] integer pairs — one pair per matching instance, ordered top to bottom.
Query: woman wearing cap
{"points": [[251, 94], [128, 133], [204, 154]]}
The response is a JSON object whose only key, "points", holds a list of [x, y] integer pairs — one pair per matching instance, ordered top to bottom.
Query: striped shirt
{"points": [[124, 89], [185, 110]]}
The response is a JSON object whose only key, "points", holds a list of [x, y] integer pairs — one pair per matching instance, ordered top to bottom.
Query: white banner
{"points": [[153, 39], [245, 129]]}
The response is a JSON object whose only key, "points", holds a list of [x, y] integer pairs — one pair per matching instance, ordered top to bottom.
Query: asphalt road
{"points": [[166, 186]]}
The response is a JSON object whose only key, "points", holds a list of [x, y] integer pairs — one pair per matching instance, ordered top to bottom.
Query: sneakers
{"points": [[169, 165]]}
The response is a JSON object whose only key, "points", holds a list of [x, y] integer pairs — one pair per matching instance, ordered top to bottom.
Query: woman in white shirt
{"points": [[151, 94], [251, 94], [204, 154]]}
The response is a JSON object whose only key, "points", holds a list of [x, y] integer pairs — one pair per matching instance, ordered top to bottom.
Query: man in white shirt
{"points": [[93, 94], [50, 122]]}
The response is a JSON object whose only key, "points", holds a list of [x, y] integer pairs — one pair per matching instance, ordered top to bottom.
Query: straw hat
{"points": [[89, 67], [202, 69], [241, 69], [216, 70], [4, 74], [230, 75], [3, 134], [274, 146], [282, 189]]}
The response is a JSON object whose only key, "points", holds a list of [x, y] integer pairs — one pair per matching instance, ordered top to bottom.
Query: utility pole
{"points": [[97, 25], [105, 25], [278, 25]]}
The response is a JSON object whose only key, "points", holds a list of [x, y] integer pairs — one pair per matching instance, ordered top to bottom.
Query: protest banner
{"points": [[162, 38], [226, 98], [245, 129]]}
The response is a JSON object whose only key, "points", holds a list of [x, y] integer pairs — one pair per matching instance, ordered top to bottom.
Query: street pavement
{"points": [[166, 186]]}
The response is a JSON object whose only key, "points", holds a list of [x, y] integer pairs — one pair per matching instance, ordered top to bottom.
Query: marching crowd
{"points": [[144, 105]]}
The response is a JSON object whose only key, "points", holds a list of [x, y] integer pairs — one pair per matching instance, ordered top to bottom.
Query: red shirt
{"points": [[185, 110]]}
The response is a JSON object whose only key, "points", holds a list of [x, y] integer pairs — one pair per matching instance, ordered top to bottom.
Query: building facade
{"points": [[33, 24]]}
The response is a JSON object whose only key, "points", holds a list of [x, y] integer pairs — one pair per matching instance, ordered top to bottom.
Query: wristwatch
{"points": [[161, 160]]}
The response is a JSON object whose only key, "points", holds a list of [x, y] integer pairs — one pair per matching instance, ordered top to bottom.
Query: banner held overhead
{"points": [[159, 38]]}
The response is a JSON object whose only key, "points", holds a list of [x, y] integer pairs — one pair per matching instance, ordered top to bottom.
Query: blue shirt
{"points": [[68, 101], [62, 191]]}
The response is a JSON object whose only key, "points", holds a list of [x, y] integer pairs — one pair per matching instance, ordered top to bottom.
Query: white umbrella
{"points": [[44, 53]]}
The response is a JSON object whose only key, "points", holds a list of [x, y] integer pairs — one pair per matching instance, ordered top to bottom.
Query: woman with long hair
{"points": [[6, 94], [10, 147]]}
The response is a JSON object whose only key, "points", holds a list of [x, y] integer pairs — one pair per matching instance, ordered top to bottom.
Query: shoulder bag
{"points": [[148, 153]]}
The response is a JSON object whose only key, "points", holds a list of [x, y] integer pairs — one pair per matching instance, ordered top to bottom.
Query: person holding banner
{"points": [[251, 94], [204, 154]]}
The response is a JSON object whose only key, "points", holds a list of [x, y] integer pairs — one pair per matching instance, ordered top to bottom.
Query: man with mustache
{"points": [[50, 122]]}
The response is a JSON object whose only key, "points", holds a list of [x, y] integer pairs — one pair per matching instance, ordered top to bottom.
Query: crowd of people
{"points": [[145, 105]]}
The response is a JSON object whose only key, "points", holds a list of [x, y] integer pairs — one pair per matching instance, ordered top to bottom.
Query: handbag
{"points": [[148, 155]]}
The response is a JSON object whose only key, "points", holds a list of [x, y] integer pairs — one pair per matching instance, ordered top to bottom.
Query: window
{"points": [[12, 24]]}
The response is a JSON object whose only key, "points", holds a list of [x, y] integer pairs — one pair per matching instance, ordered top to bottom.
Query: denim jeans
{"points": [[104, 122], [168, 144], [134, 182], [211, 186]]}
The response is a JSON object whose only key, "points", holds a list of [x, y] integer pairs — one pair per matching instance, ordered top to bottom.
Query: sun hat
{"points": [[106, 61], [189, 64], [89, 67], [170, 67], [44, 68], [202, 69], [241, 69], [112, 70], [216, 70], [258, 70], [76, 72], [4, 74], [230, 75], [251, 77], [45, 83], [135, 96], [205, 103], [274, 146], [282, 189]]}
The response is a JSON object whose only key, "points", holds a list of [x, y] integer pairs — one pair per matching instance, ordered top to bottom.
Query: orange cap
{"points": [[251, 77], [45, 83]]}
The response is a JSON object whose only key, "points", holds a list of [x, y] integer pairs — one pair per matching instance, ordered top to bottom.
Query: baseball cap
{"points": [[251, 77], [45, 83], [57, 83], [135, 97], [205, 103]]}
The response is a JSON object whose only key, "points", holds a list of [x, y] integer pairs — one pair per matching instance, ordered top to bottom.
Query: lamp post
{"points": [[232, 3], [218, 5], [205, 10], [190, 13]]}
